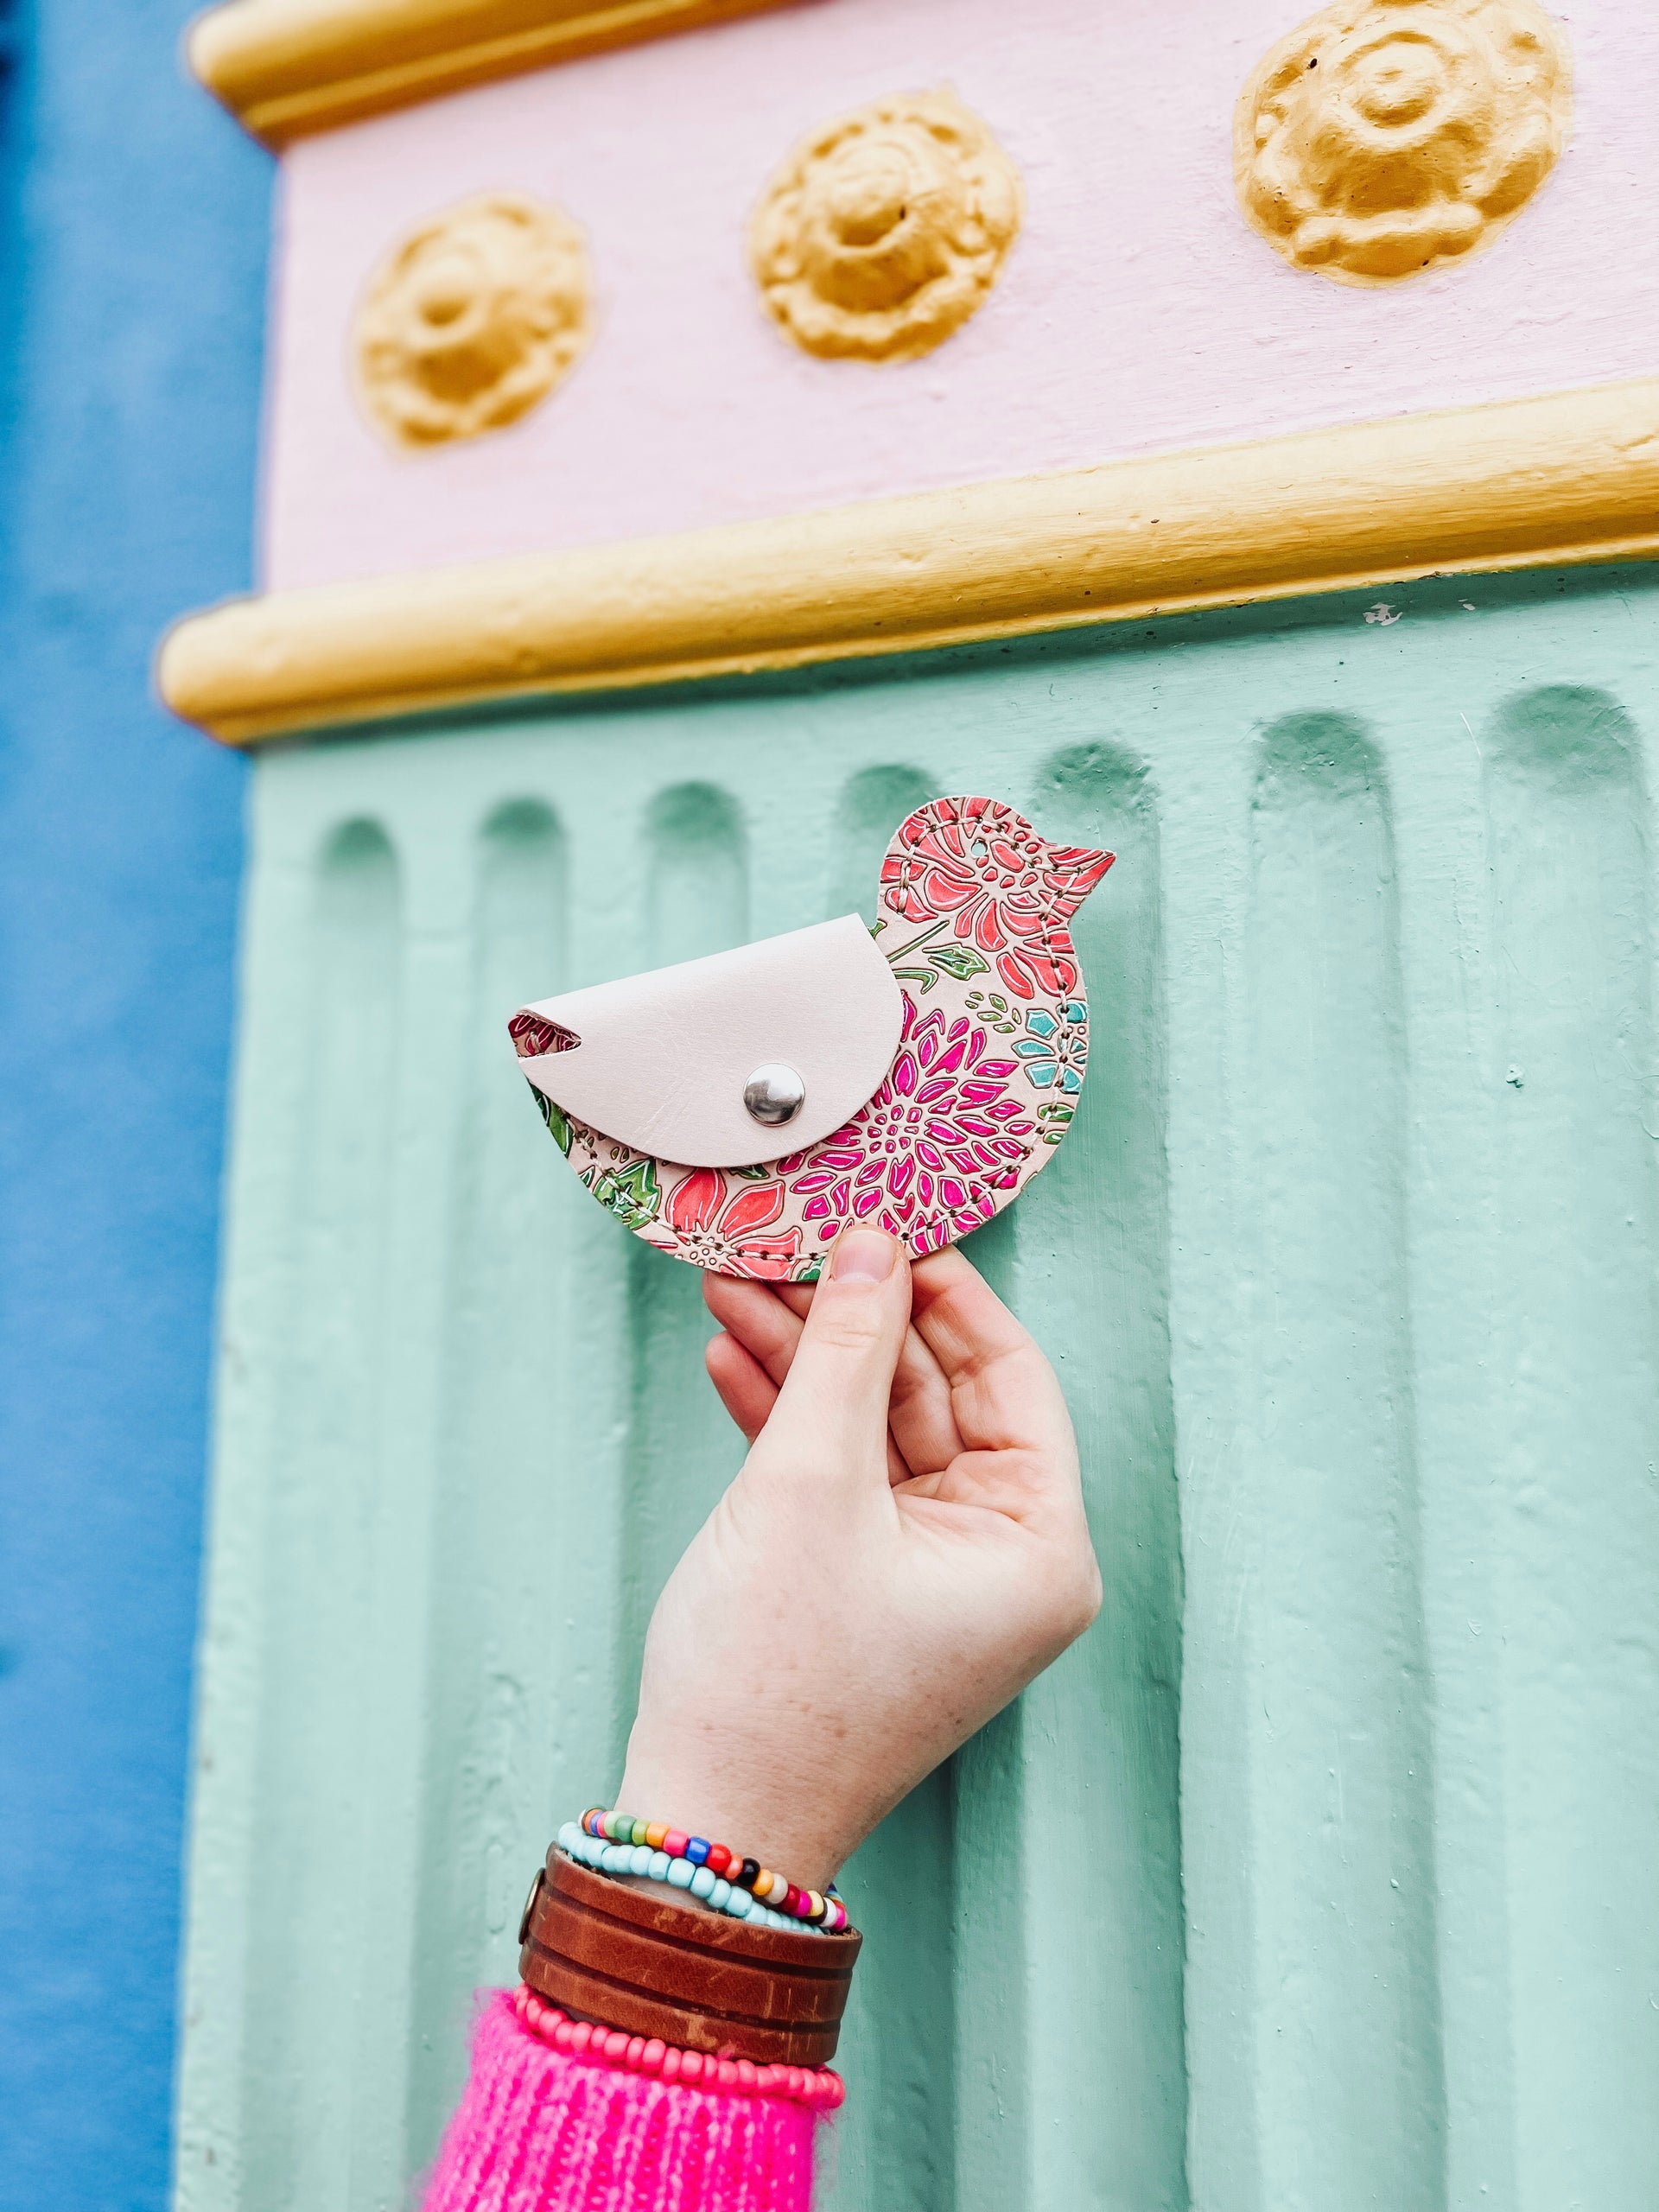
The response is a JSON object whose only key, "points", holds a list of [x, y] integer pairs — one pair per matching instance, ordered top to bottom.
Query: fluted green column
{"points": [[1319, 1875]]}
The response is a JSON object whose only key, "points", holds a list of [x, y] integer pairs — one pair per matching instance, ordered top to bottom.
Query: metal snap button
{"points": [[774, 1094]]}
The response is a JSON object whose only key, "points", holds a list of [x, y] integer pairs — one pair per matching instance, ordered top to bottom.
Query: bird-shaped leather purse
{"points": [[738, 1112]]}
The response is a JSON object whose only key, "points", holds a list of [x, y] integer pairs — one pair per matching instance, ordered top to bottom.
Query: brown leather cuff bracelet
{"points": [[653, 1966]]}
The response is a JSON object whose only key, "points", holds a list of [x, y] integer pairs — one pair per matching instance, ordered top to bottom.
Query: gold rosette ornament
{"points": [[1387, 136], [885, 230], [472, 319]]}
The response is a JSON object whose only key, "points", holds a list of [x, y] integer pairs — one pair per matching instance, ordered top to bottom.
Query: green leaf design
{"points": [[914, 944], [960, 960], [923, 977], [992, 1008], [1052, 1116], [557, 1121], [631, 1193]]}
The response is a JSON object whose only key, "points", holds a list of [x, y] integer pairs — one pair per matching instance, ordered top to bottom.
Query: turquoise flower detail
{"points": [[1055, 1046]]}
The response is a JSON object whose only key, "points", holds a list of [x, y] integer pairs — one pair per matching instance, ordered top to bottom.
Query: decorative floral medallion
{"points": [[1385, 136], [885, 230], [470, 322], [974, 916]]}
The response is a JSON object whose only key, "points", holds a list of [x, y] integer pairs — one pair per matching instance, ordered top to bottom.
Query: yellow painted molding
{"points": [[287, 67], [1523, 484]]}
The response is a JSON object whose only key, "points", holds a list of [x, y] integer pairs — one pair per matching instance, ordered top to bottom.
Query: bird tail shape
{"points": [[1074, 870]]}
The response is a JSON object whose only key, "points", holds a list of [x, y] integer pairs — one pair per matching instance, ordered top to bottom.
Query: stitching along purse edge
{"points": [[975, 910]]}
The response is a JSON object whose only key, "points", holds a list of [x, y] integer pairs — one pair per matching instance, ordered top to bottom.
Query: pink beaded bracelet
{"points": [[820, 2087]]}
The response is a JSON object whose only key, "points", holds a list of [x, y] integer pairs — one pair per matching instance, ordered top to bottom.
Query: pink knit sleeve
{"points": [[539, 2131]]}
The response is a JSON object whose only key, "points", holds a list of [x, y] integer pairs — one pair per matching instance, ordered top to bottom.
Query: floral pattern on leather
{"points": [[982, 868], [532, 1036], [1056, 1048], [982, 1088], [940, 1138], [713, 1226]]}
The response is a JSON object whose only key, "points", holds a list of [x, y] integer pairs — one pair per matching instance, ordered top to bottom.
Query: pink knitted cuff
{"points": [[536, 2130]]}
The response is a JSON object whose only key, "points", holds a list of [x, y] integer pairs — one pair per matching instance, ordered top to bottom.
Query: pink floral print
{"points": [[980, 1090], [937, 1141]]}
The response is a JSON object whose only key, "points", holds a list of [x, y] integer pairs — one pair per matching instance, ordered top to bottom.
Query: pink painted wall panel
{"points": [[1136, 312]]}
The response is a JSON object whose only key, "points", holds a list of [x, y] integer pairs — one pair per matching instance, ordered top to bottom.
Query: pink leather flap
{"points": [[663, 1059]]}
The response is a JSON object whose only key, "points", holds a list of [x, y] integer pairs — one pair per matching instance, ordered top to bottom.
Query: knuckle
{"points": [[1079, 1594], [1092, 1596]]}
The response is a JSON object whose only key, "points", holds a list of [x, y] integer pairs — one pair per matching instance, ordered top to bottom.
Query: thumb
{"points": [[836, 1392]]}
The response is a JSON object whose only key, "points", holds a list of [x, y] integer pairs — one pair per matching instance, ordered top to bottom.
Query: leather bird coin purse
{"points": [[738, 1112]]}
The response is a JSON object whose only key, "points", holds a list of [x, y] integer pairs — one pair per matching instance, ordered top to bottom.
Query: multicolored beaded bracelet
{"points": [[681, 1872], [743, 1880], [820, 2087]]}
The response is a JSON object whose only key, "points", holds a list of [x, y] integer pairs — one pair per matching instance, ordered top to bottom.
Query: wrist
{"points": [[753, 1819]]}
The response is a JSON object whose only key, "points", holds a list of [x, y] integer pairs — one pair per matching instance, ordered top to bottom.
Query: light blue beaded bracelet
{"points": [[676, 1874], [825, 1910]]}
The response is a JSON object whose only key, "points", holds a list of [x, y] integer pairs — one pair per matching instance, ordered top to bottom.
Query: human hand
{"points": [[903, 1550]]}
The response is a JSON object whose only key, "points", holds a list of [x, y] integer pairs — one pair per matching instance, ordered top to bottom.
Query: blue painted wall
{"points": [[134, 220]]}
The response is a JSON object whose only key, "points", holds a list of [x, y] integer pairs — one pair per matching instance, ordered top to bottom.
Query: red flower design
{"points": [[1009, 891], [532, 1038], [924, 1156], [715, 1231]]}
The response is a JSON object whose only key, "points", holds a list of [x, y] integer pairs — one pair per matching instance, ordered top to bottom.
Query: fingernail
{"points": [[863, 1255]]}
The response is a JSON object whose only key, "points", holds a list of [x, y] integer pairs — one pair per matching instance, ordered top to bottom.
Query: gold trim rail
{"points": [[287, 67], [1522, 484]]}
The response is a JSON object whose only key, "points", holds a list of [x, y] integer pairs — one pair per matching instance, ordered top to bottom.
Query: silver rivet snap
{"points": [[774, 1094]]}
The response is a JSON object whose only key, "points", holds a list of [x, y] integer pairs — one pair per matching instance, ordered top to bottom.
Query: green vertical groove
{"points": [[869, 808], [1575, 1413], [682, 1451], [505, 1472], [1101, 1749], [310, 1948], [993, 1997], [1351, 2097], [896, 2145], [896, 2149]]}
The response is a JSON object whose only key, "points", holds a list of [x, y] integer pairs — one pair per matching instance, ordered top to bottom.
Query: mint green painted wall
{"points": [[1320, 1876]]}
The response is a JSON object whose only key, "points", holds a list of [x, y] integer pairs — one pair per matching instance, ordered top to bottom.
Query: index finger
{"points": [[1004, 1392]]}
